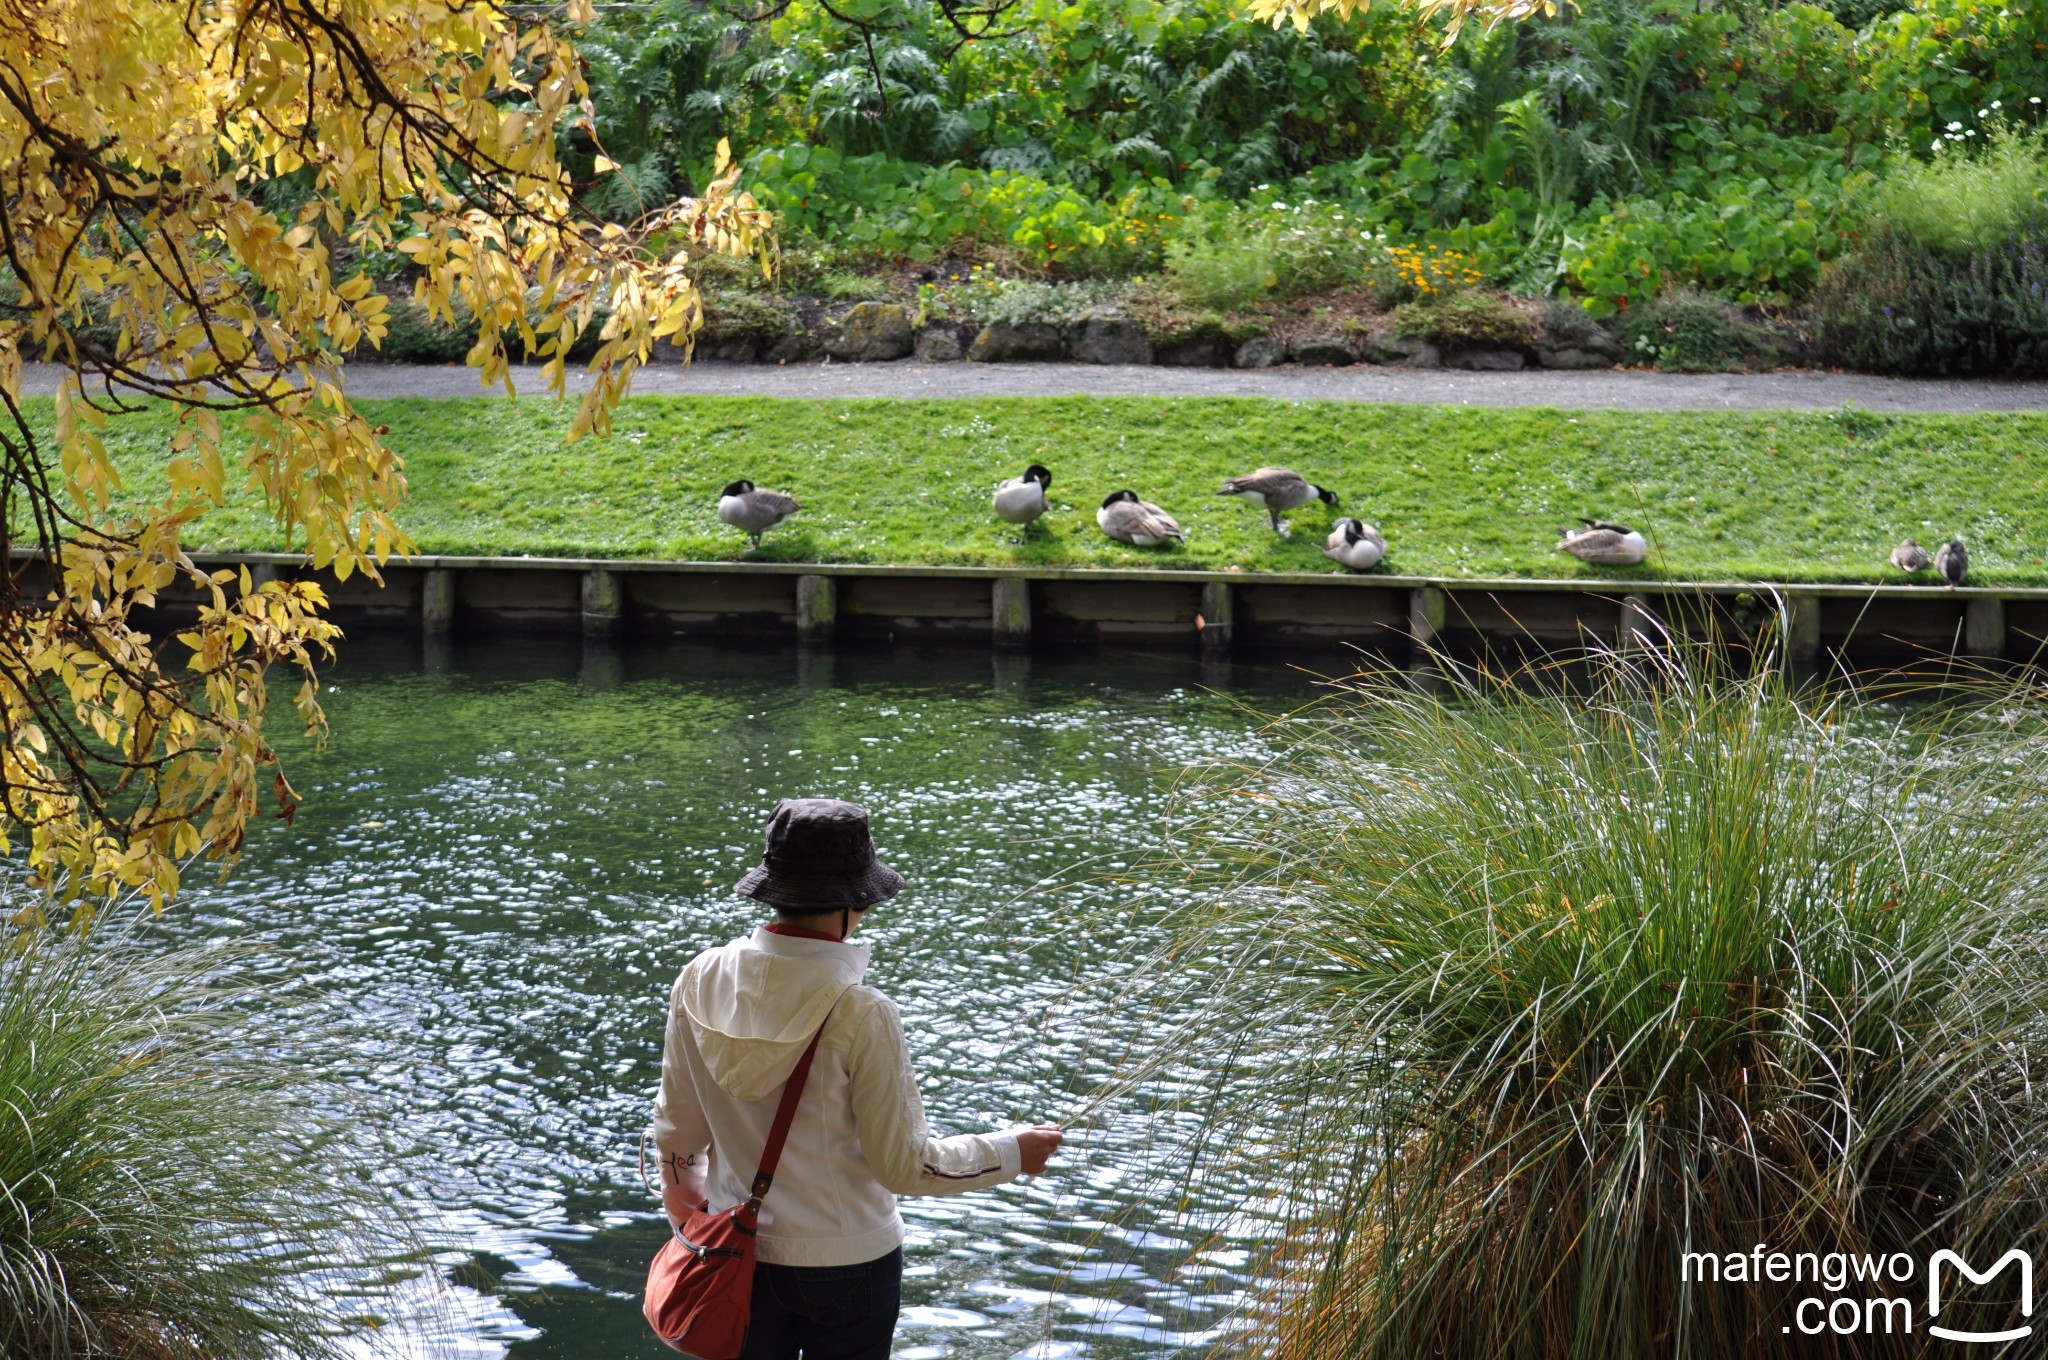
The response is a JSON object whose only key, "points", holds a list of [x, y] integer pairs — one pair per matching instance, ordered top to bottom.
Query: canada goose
{"points": [[1277, 489], [1020, 500], [743, 507], [1141, 524], [1355, 544], [1605, 544], [1910, 556], [1953, 562]]}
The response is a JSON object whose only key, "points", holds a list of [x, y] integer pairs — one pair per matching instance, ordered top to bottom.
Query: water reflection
{"points": [[506, 853]]}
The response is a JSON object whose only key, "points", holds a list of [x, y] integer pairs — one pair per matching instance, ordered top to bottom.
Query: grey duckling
{"points": [[1276, 489], [1021, 500], [744, 507], [1141, 524], [1355, 544], [1605, 544], [1910, 556], [1953, 562]]}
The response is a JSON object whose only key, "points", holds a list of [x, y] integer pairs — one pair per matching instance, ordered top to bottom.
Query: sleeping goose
{"points": [[1277, 489], [1020, 500], [743, 507], [1141, 524], [1355, 544], [1605, 544], [1910, 556], [1953, 562]]}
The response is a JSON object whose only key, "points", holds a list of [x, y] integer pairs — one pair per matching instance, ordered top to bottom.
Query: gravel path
{"points": [[1624, 390]]}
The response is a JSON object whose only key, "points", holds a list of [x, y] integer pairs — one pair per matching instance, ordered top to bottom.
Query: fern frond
{"points": [[1138, 148]]}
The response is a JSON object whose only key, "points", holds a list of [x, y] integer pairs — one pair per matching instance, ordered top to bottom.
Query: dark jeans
{"points": [[825, 1312]]}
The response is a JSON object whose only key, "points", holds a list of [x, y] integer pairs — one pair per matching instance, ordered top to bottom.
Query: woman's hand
{"points": [[1036, 1146]]}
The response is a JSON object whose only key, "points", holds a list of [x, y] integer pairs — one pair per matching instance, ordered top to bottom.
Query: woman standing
{"points": [[829, 1284]]}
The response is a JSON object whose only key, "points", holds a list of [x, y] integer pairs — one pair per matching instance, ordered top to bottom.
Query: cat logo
{"points": [[2026, 1265]]}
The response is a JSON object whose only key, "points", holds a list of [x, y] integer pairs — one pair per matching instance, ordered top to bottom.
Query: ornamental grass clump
{"points": [[1526, 994], [169, 1188]]}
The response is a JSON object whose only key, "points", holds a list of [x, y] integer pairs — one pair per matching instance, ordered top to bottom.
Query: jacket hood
{"points": [[754, 1004]]}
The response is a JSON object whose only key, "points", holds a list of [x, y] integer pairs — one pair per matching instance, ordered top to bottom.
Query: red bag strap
{"points": [[785, 1115]]}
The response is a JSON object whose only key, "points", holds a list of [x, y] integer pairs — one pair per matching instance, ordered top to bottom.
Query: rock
{"points": [[870, 332], [1106, 336], [1011, 341], [940, 343], [933, 348], [1388, 348], [791, 349], [1326, 349], [1261, 351], [728, 352], [1196, 354], [1429, 356], [1571, 358], [1486, 360]]}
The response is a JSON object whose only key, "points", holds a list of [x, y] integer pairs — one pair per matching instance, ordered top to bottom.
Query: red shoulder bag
{"points": [[700, 1289]]}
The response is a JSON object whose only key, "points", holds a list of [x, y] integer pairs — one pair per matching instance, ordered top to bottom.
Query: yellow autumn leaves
{"points": [[184, 190]]}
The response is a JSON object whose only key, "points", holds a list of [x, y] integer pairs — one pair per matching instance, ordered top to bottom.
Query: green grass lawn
{"points": [[1457, 491]]}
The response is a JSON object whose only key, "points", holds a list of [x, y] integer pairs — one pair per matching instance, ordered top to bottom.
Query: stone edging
{"points": [[883, 332]]}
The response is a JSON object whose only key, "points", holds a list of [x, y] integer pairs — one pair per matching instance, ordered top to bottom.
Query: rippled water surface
{"points": [[502, 862]]}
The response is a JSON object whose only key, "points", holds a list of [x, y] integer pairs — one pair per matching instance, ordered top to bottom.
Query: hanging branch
{"points": [[136, 252]]}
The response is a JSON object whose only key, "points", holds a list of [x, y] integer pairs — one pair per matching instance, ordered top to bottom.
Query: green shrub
{"points": [[1857, 13], [1938, 62], [1788, 66], [1097, 97], [1626, 149], [1967, 199], [869, 206], [1745, 239], [1318, 247], [1221, 260], [733, 274], [1950, 278], [846, 285], [992, 298], [1898, 306], [737, 314], [1169, 320], [1465, 321], [1565, 324], [1689, 332], [413, 337], [1529, 992], [172, 1187]]}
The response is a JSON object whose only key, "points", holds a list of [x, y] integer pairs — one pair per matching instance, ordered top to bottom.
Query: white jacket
{"points": [[738, 1020]]}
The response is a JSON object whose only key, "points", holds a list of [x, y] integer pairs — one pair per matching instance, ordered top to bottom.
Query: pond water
{"points": [[505, 856]]}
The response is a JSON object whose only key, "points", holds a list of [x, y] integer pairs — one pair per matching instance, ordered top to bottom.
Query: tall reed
{"points": [[1526, 992], [172, 1185]]}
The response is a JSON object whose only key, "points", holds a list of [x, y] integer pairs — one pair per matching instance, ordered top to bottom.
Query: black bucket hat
{"points": [[818, 857]]}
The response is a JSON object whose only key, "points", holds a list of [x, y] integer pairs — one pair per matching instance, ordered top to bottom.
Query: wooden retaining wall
{"points": [[1250, 615]]}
